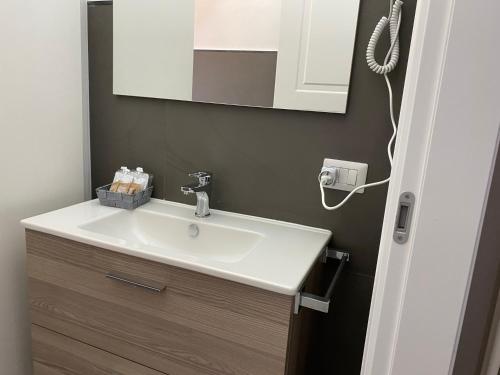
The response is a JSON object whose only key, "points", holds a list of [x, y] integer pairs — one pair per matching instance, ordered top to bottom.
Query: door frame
{"points": [[445, 151], [87, 175]]}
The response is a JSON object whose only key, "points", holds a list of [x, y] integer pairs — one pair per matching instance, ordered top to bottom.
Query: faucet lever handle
{"points": [[203, 177]]}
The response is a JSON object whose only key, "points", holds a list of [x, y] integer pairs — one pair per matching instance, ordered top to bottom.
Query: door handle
{"points": [[403, 218]]}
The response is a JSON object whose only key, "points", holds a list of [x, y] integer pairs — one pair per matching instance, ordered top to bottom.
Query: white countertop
{"points": [[277, 257]]}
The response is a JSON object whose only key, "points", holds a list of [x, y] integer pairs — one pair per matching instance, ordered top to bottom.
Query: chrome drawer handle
{"points": [[124, 279]]}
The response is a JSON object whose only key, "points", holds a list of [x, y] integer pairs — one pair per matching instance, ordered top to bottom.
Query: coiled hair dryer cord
{"points": [[394, 21], [390, 62]]}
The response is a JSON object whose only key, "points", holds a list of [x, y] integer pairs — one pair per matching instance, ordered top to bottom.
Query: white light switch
{"points": [[350, 174], [343, 175], [351, 177]]}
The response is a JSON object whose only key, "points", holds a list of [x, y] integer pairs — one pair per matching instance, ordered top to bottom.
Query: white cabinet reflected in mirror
{"points": [[289, 54]]}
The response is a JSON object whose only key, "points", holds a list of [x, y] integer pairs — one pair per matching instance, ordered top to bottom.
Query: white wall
{"points": [[237, 24], [40, 144]]}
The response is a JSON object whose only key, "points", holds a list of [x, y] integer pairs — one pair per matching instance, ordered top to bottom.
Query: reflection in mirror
{"points": [[235, 51], [291, 54]]}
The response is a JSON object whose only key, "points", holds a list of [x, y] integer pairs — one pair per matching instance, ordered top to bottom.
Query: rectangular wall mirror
{"points": [[289, 54]]}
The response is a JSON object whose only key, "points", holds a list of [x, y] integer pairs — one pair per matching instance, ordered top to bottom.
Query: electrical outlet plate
{"points": [[350, 174]]}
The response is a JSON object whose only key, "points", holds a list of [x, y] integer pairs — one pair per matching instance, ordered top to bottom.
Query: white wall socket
{"points": [[350, 174]]}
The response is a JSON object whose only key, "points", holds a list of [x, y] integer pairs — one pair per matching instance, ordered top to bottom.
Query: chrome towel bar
{"points": [[322, 303]]}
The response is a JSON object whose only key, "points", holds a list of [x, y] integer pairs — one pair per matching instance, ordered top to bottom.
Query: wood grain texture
{"points": [[198, 325], [300, 339], [55, 354]]}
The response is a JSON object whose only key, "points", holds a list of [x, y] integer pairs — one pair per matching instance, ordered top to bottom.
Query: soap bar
{"points": [[124, 185], [114, 186], [134, 188]]}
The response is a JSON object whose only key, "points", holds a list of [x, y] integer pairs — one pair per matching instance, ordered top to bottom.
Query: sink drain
{"points": [[193, 230]]}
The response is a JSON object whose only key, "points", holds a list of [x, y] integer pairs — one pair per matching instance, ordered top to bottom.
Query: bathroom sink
{"points": [[165, 233], [264, 253]]}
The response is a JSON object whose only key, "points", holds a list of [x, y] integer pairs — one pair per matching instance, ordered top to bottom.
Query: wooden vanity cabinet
{"points": [[86, 319], [56, 354]]}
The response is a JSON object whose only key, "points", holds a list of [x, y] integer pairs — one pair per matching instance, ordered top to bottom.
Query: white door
{"points": [[153, 48], [315, 54], [447, 142]]}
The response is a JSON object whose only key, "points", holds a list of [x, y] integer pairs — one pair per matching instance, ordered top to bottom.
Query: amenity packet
{"points": [[122, 180], [140, 181]]}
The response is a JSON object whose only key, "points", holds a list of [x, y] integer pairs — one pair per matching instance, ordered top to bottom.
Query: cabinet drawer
{"points": [[196, 324], [55, 354]]}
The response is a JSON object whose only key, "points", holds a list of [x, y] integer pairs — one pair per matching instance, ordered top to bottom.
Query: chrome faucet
{"points": [[202, 188]]}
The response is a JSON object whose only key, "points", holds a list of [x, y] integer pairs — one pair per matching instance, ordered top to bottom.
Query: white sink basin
{"points": [[151, 230], [264, 253]]}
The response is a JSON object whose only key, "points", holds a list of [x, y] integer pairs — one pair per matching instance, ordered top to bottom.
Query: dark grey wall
{"points": [[266, 163], [484, 288]]}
